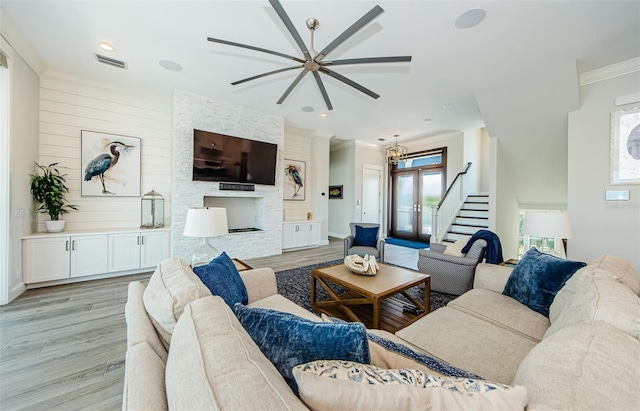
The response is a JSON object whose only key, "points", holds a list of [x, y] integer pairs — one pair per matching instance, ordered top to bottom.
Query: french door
{"points": [[414, 191]]}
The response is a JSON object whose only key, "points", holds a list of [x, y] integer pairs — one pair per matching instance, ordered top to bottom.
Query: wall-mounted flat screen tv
{"points": [[218, 157]]}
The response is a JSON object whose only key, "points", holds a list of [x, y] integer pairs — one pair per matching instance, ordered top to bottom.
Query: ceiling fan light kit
{"points": [[312, 60]]}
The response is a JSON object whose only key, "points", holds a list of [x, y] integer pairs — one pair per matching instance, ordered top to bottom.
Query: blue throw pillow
{"points": [[366, 236], [221, 278], [537, 278], [288, 340]]}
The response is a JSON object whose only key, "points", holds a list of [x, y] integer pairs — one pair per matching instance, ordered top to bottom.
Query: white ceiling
{"points": [[448, 66]]}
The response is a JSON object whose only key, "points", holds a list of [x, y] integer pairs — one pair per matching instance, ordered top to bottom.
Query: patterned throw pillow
{"points": [[222, 278], [537, 278], [288, 340], [362, 386]]}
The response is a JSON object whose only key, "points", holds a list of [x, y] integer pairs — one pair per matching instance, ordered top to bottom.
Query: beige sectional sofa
{"points": [[586, 355]]}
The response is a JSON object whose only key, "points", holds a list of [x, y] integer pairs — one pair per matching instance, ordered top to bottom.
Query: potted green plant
{"points": [[49, 188]]}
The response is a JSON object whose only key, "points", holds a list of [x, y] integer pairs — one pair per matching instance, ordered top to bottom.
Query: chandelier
{"points": [[396, 153]]}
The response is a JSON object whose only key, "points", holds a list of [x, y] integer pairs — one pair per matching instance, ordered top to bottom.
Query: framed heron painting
{"points": [[110, 165], [294, 180]]}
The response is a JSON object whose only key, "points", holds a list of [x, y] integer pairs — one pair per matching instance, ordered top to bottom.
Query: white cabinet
{"points": [[300, 234], [133, 250], [49, 257], [59, 257]]}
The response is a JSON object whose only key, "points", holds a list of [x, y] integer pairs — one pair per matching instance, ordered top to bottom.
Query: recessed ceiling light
{"points": [[470, 18], [106, 46], [170, 65], [448, 105], [308, 109], [323, 114], [427, 121]]}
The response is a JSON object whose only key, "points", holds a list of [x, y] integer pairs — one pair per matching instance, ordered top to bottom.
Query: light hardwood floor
{"points": [[63, 347]]}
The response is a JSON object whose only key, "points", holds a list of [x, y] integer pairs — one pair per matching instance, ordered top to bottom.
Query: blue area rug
{"points": [[406, 243]]}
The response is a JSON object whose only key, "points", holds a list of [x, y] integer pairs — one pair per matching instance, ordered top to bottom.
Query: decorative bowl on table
{"points": [[366, 265]]}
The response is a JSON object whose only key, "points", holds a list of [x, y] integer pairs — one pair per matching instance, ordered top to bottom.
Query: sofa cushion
{"points": [[366, 236], [621, 270], [221, 277], [537, 278], [171, 287], [594, 297], [279, 303], [503, 311], [139, 327], [288, 340], [469, 343], [389, 352], [214, 364], [591, 366], [144, 379], [343, 385]]}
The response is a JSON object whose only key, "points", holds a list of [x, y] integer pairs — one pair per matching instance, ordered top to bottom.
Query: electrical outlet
{"points": [[19, 212]]}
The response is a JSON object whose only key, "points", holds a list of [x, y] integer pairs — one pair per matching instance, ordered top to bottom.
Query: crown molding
{"points": [[608, 72]]}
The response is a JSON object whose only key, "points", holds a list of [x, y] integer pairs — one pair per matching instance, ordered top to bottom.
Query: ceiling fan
{"points": [[313, 61]]}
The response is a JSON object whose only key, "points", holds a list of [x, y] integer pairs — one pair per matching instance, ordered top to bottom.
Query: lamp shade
{"points": [[206, 222], [547, 224]]}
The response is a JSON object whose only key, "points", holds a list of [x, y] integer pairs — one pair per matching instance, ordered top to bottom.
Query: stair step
{"points": [[477, 199], [475, 206], [474, 214], [475, 221], [465, 229], [452, 237]]}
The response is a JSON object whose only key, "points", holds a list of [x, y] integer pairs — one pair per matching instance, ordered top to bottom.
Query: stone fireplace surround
{"points": [[191, 111]]}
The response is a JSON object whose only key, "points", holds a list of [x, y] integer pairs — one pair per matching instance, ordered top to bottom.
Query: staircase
{"points": [[473, 216]]}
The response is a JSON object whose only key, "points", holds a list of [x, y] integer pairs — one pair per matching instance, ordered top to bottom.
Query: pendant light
{"points": [[396, 153]]}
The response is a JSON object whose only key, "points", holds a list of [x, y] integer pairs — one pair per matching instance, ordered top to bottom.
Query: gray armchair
{"points": [[350, 248], [449, 274]]}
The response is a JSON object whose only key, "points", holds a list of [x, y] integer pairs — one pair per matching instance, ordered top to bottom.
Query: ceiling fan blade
{"points": [[362, 21], [287, 22], [246, 46], [364, 60], [349, 82], [235, 83], [292, 86], [325, 96]]}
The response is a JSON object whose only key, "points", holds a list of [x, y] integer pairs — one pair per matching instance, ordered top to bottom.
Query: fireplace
{"points": [[244, 214]]}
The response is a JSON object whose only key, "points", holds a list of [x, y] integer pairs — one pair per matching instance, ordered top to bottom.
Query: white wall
{"points": [[69, 105], [454, 142], [297, 146], [23, 149], [472, 153], [342, 166], [320, 185], [599, 226]]}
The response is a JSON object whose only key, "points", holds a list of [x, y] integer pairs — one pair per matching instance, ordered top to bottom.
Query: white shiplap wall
{"points": [[69, 105], [297, 146]]}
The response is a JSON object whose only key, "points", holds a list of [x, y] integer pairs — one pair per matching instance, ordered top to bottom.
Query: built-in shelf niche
{"points": [[242, 212]]}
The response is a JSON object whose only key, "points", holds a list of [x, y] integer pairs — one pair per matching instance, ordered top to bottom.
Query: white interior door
{"points": [[371, 194]]}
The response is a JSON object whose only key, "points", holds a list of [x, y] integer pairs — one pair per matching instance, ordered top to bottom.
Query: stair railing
{"points": [[443, 214]]}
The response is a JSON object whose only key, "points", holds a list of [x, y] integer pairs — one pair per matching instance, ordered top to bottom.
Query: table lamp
{"points": [[205, 222], [547, 225]]}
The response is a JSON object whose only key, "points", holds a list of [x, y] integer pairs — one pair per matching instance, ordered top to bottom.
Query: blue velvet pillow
{"points": [[366, 236], [221, 278], [537, 278], [288, 340]]}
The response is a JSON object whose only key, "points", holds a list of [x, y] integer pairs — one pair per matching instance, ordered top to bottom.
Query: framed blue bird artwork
{"points": [[110, 165], [294, 180]]}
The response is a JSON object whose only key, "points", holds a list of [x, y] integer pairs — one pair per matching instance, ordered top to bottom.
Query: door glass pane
{"points": [[431, 195], [404, 210]]}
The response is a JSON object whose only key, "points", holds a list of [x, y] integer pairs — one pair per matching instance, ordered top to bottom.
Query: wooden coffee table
{"points": [[369, 299]]}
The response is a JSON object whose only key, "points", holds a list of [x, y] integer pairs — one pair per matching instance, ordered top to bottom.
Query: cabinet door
{"points": [[314, 233], [302, 234], [288, 235], [154, 247], [124, 252], [88, 255], [46, 259]]}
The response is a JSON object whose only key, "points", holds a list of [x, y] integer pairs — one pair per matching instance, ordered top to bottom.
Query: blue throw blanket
{"points": [[494, 248]]}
